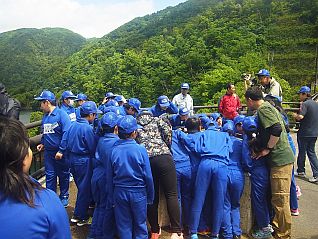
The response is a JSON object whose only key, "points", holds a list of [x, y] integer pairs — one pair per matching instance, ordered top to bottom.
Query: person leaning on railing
{"points": [[27, 210]]}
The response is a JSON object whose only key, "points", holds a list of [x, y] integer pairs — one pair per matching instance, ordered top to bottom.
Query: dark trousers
{"points": [[307, 145], [164, 174]]}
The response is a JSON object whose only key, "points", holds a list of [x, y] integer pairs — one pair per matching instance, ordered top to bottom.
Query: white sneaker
{"points": [[300, 174], [313, 179], [176, 236]]}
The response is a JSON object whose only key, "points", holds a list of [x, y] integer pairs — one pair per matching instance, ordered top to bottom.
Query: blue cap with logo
{"points": [[263, 72], [185, 86], [304, 89], [46, 95], [68, 95], [109, 95], [81, 96], [120, 98], [163, 101], [134, 102], [111, 103], [89, 107], [113, 109], [184, 111], [215, 116], [109, 119], [239, 119], [206, 122], [127, 124], [249, 124], [228, 126]]}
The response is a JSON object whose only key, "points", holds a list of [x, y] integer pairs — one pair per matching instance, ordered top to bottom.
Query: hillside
{"points": [[28, 58]]}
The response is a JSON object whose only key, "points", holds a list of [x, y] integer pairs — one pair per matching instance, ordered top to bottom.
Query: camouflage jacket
{"points": [[155, 135]]}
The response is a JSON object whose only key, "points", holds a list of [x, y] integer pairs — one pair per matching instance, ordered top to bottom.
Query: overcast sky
{"points": [[90, 18]]}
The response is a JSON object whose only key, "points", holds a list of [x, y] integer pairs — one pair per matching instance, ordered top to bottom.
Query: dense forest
{"points": [[206, 43]]}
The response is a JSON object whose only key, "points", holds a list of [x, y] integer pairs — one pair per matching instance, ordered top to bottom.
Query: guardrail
{"points": [[37, 167]]}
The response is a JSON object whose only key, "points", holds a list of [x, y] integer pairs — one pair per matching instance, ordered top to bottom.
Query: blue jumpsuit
{"points": [[70, 110], [157, 111], [54, 128], [81, 146], [214, 148], [184, 176], [260, 185], [130, 187], [47, 220], [103, 224], [231, 224]]}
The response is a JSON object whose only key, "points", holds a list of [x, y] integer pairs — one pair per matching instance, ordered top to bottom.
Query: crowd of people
{"points": [[121, 156]]}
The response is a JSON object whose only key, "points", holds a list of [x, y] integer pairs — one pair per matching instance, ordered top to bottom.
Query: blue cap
{"points": [[263, 72], [185, 86], [304, 89], [68, 94], [46, 95], [109, 95], [81, 96], [120, 98], [163, 101], [134, 102], [111, 103], [89, 107], [113, 109], [184, 111], [201, 115], [215, 116], [110, 119], [239, 119], [206, 122], [127, 124], [249, 124], [228, 126]]}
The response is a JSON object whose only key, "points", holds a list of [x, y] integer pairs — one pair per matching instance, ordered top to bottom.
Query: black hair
{"points": [[228, 85], [254, 93], [193, 124], [106, 129], [122, 135], [14, 147]]}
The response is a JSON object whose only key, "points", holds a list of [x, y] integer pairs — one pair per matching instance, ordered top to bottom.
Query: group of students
{"points": [[119, 155]]}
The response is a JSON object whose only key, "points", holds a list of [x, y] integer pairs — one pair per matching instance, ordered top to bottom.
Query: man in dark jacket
{"points": [[9, 107]]}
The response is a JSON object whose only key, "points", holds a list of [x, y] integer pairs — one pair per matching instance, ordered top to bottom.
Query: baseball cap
{"points": [[263, 72], [185, 86], [304, 89], [68, 94], [46, 95], [109, 95], [81, 96], [120, 98], [163, 101], [134, 102], [111, 103], [89, 107], [113, 109], [184, 111], [215, 116], [110, 119], [239, 119], [249, 123], [127, 124], [228, 126]]}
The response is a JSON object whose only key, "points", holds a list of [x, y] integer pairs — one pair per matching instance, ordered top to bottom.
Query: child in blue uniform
{"points": [[67, 104], [164, 105], [132, 107], [178, 120], [55, 124], [81, 146], [214, 148], [129, 181], [260, 182], [235, 185], [27, 211], [103, 224]]}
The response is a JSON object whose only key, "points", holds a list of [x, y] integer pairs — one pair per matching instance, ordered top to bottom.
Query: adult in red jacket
{"points": [[230, 105]]}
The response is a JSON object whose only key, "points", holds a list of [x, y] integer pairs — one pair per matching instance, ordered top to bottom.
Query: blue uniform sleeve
{"points": [[173, 109], [152, 110], [65, 125], [187, 141], [246, 157], [148, 177], [109, 182], [59, 227]]}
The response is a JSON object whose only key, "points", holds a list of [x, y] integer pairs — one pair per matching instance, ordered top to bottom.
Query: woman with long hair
{"points": [[27, 210]]}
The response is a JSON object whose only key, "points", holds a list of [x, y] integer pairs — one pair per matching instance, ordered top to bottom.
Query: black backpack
{"points": [[8, 106]]}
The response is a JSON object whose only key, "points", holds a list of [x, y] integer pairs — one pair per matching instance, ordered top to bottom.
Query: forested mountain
{"points": [[204, 42], [29, 57]]}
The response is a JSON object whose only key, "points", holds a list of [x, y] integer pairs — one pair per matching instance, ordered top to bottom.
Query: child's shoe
{"points": [[294, 212], [262, 233], [154, 235], [176, 236], [194, 236]]}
